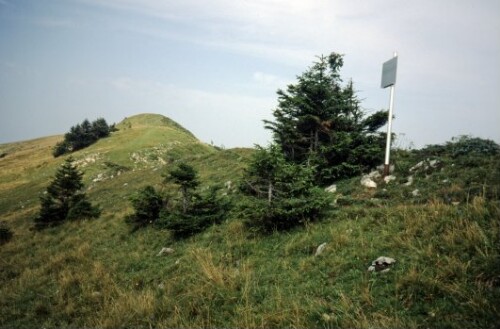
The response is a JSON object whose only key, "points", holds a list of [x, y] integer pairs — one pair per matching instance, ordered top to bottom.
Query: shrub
{"points": [[280, 194], [64, 199], [147, 204], [204, 211], [5, 233]]}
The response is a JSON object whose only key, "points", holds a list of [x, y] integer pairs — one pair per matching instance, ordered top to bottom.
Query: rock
{"points": [[417, 166], [381, 168], [374, 174], [390, 178], [366, 181], [409, 181], [228, 185], [331, 188], [415, 192], [455, 203], [320, 249], [165, 251], [382, 264]]}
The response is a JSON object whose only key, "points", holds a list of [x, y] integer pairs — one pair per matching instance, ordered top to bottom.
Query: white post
{"points": [[389, 129]]}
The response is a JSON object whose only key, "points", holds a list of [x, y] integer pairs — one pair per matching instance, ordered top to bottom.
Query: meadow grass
{"points": [[98, 273]]}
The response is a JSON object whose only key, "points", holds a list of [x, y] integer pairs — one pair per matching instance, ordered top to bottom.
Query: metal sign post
{"points": [[389, 70]]}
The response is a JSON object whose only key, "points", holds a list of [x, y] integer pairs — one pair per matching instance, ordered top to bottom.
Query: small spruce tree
{"points": [[280, 194], [64, 199]]}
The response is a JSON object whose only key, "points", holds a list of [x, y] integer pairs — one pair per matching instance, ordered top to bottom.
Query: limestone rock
{"points": [[390, 178], [366, 181], [331, 188], [320, 249], [165, 251], [382, 264]]}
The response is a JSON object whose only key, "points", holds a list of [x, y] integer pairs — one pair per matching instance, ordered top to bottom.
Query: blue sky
{"points": [[215, 66]]}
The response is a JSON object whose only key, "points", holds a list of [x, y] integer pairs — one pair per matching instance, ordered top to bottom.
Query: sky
{"points": [[214, 66]]}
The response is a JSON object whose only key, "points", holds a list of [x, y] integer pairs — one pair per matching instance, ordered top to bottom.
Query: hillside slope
{"points": [[445, 240]]}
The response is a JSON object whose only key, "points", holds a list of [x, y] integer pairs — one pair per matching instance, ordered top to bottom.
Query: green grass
{"points": [[98, 274]]}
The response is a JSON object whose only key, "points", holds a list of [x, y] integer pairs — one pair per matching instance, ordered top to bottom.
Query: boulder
{"points": [[390, 178], [366, 181], [409, 181], [331, 188], [320, 249], [165, 251], [382, 264]]}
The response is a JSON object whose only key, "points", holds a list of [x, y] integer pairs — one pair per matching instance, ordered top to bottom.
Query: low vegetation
{"points": [[196, 256]]}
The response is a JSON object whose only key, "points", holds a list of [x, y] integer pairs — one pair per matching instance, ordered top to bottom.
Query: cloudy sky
{"points": [[214, 66]]}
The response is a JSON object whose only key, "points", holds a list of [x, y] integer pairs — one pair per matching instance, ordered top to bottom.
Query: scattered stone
{"points": [[381, 168], [374, 174], [99, 178], [390, 178], [366, 181], [409, 181], [125, 184], [228, 185], [332, 188], [415, 192], [455, 203], [320, 249], [165, 251], [382, 264], [161, 286]]}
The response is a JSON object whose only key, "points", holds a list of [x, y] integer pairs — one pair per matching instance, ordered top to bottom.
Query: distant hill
{"points": [[114, 167], [437, 217]]}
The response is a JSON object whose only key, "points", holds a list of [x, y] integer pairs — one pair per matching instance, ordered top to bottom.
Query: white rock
{"points": [[417, 166], [375, 174], [390, 178], [366, 181], [409, 182], [228, 184], [331, 188], [415, 192], [320, 249], [166, 251], [381, 264]]}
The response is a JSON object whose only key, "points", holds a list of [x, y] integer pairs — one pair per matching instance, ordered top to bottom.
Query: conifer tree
{"points": [[319, 122], [280, 194], [64, 199]]}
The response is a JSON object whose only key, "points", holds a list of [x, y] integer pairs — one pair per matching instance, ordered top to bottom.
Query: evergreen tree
{"points": [[319, 122], [83, 135], [187, 178], [280, 194], [64, 198], [147, 204], [196, 211]]}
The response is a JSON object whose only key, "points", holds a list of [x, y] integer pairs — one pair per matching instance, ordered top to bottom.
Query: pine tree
{"points": [[319, 122], [187, 178], [280, 194], [64, 199]]}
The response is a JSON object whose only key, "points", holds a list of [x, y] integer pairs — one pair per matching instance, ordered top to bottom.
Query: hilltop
{"points": [[96, 273]]}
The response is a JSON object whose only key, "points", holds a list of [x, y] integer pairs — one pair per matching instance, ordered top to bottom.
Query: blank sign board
{"points": [[389, 69]]}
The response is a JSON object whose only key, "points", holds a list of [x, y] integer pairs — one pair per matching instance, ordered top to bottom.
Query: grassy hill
{"points": [[445, 239]]}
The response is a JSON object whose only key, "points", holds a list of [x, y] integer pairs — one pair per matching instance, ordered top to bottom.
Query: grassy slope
{"points": [[97, 274]]}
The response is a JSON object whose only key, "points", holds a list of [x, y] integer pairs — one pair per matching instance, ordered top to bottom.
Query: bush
{"points": [[83, 135], [280, 194], [64, 199], [147, 204], [204, 211], [5, 233]]}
